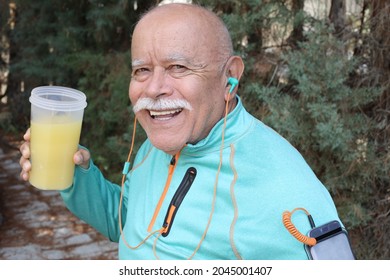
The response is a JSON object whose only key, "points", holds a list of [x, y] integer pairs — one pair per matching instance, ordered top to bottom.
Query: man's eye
{"points": [[177, 68], [140, 71], [140, 74]]}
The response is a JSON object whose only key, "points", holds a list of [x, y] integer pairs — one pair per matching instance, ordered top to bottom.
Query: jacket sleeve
{"points": [[95, 200]]}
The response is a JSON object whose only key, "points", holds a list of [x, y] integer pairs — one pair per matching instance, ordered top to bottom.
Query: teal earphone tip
{"points": [[233, 83]]}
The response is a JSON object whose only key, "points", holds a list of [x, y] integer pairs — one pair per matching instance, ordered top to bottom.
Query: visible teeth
{"points": [[163, 113]]}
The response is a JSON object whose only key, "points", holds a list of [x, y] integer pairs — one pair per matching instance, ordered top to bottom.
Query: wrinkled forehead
{"points": [[182, 30]]}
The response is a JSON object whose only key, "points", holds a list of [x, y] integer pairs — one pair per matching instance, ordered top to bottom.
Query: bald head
{"points": [[198, 23]]}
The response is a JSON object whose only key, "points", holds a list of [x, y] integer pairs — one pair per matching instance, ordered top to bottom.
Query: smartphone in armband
{"points": [[332, 243]]}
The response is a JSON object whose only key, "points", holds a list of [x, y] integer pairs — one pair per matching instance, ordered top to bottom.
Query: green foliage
{"points": [[251, 21], [323, 116], [108, 118]]}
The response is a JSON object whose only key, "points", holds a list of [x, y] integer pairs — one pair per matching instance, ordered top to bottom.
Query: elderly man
{"points": [[211, 181]]}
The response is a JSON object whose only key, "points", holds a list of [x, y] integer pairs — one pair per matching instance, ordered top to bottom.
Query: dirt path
{"points": [[35, 224]]}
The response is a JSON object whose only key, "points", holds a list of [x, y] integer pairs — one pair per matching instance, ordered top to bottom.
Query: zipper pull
{"points": [[173, 160], [177, 199]]}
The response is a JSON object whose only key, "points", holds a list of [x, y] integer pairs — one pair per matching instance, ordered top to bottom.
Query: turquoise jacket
{"points": [[261, 176]]}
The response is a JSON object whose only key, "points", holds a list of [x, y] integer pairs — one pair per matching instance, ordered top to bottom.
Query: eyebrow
{"points": [[178, 57], [171, 58], [137, 62]]}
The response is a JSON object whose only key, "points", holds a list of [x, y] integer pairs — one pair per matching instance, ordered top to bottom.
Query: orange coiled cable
{"points": [[311, 241]]}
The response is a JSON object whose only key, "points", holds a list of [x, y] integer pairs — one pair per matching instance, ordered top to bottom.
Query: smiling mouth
{"points": [[165, 115]]}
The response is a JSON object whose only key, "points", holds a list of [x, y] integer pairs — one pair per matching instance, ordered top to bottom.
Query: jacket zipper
{"points": [[172, 167]]}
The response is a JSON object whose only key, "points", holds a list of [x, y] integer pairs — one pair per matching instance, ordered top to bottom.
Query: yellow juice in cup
{"points": [[52, 148]]}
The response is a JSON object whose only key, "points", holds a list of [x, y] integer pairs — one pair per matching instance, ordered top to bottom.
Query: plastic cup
{"points": [[56, 119]]}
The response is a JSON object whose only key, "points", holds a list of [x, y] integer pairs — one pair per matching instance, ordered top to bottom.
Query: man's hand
{"points": [[81, 158]]}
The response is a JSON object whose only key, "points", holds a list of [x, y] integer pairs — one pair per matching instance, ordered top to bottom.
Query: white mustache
{"points": [[160, 104]]}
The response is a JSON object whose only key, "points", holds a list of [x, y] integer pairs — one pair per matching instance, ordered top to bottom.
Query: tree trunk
{"points": [[337, 16], [297, 32], [4, 45], [380, 58], [16, 97]]}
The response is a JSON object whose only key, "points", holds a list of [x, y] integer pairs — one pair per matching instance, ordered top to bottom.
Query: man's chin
{"points": [[168, 146]]}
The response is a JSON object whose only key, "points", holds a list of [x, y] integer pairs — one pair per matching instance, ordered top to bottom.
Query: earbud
{"points": [[233, 82]]}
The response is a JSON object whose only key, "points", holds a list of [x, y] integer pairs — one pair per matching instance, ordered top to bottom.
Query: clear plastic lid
{"points": [[58, 98]]}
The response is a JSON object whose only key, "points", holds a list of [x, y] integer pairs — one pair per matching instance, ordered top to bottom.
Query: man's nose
{"points": [[158, 84]]}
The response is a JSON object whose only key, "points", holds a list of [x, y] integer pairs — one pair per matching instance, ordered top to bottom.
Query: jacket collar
{"points": [[237, 124]]}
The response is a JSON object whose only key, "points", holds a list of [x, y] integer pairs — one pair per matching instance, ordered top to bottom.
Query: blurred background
{"points": [[317, 71]]}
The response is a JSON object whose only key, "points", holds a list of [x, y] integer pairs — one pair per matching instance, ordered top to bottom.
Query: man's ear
{"points": [[235, 68]]}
